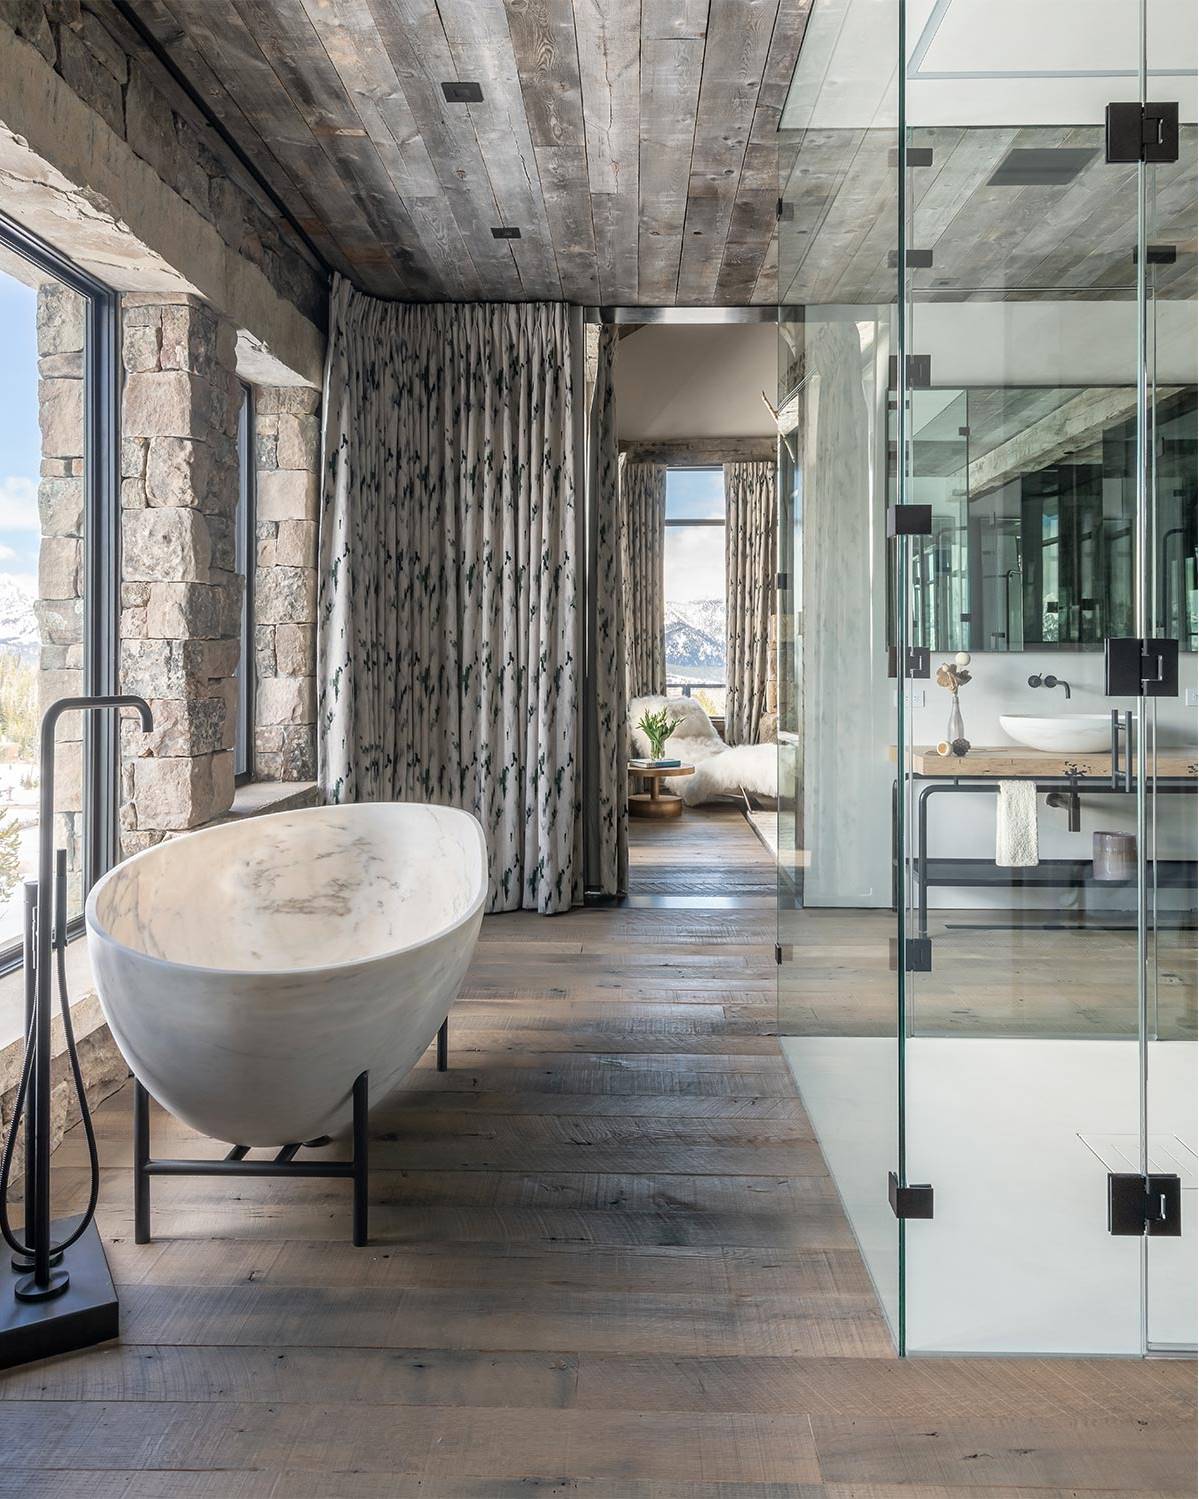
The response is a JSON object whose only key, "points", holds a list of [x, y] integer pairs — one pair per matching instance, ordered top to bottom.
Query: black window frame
{"points": [[101, 553], [245, 556]]}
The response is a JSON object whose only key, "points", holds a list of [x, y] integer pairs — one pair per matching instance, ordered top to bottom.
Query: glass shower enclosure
{"points": [[988, 621]]}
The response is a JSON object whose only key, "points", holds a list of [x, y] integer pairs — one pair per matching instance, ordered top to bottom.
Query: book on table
{"points": [[642, 764]]}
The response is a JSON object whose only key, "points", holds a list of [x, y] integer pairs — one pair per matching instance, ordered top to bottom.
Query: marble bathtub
{"points": [[250, 972]]}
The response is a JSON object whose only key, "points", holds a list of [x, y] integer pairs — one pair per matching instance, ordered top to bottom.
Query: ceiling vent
{"points": [[462, 93], [1040, 166], [503, 231]]}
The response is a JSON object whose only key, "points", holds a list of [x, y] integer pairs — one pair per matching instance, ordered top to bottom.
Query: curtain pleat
{"points": [[643, 519], [750, 554], [447, 585], [611, 782]]}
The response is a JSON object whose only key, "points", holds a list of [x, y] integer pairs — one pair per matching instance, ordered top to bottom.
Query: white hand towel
{"points": [[1016, 824]]}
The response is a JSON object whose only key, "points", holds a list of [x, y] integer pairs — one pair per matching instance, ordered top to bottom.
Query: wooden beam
{"points": [[684, 451]]}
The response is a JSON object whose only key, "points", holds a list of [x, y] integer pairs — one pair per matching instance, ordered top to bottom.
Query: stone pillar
{"points": [[61, 331], [287, 434], [180, 594]]}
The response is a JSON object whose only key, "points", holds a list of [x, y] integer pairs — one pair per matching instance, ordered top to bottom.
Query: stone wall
{"points": [[92, 50], [61, 331], [287, 440], [180, 593]]}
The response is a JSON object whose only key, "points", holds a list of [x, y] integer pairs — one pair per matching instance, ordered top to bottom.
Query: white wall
{"points": [[676, 381], [964, 826]]}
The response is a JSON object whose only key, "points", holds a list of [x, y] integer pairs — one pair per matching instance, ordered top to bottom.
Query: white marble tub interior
{"points": [[251, 971]]}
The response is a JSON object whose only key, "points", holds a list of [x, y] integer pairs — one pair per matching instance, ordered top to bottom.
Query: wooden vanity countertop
{"points": [[1011, 760]]}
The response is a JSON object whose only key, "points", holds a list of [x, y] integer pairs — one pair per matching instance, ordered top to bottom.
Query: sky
{"points": [[20, 439], [694, 559]]}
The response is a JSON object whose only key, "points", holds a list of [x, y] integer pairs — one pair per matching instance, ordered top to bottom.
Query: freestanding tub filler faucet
{"points": [[65, 1298]]}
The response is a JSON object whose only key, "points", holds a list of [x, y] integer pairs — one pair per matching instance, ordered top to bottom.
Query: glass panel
{"points": [[839, 220], [44, 329], [1170, 542], [694, 587], [1021, 1018]]}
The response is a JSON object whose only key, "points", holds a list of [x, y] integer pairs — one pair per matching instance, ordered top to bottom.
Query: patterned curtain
{"points": [[643, 530], [750, 561], [446, 629], [609, 692]]}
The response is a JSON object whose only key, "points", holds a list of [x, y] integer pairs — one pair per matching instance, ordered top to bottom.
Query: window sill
{"points": [[257, 798]]}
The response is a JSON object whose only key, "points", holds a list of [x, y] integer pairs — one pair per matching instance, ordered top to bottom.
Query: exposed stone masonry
{"points": [[89, 45], [287, 459], [180, 593]]}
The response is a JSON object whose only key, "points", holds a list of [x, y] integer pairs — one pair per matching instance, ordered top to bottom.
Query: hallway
{"points": [[606, 1261]]}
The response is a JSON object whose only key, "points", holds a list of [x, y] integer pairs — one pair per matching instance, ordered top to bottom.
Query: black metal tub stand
{"points": [[284, 1163]]}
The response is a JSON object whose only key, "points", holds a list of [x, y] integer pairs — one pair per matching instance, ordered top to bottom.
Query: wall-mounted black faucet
{"points": [[1035, 681]]}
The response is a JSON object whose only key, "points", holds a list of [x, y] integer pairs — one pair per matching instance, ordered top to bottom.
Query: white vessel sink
{"points": [[1088, 733]]}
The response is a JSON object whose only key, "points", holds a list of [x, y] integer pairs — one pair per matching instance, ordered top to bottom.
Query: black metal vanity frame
{"points": [[1049, 873], [283, 1163]]}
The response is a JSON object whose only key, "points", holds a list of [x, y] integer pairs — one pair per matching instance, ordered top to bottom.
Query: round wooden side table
{"points": [[657, 801]]}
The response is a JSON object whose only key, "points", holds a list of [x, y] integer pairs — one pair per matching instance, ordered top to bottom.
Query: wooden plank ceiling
{"points": [[632, 142]]}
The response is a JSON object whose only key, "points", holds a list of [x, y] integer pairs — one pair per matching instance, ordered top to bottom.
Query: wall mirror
{"points": [[1033, 494]]}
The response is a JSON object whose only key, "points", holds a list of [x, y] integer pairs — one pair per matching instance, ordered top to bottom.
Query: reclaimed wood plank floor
{"points": [[606, 1261]]}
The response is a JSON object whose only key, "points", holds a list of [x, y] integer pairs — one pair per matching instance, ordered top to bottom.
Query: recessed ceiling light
{"points": [[462, 93], [1040, 166], [503, 231]]}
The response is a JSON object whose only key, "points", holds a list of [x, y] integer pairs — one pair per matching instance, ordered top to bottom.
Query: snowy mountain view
{"points": [[18, 623], [695, 640]]}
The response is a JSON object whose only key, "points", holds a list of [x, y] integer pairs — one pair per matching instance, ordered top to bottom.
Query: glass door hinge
{"points": [[1142, 132], [913, 156], [1157, 255], [915, 260], [919, 368], [909, 520], [917, 666], [1133, 667], [778, 953], [917, 954], [909, 1202], [1139, 1205]]}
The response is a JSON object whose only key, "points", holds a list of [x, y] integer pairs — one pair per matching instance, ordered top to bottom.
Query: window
{"points": [[245, 552], [58, 565], [694, 586]]}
